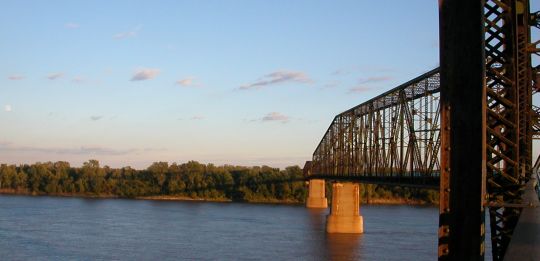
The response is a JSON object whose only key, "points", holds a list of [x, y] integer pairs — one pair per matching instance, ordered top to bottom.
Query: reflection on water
{"points": [[317, 217], [47, 228], [336, 246], [344, 246]]}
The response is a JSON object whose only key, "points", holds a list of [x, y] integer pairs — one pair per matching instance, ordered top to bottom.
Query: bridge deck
{"points": [[392, 139], [414, 182], [526, 237]]}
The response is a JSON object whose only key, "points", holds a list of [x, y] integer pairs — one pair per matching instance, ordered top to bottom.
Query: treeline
{"points": [[191, 179], [382, 193]]}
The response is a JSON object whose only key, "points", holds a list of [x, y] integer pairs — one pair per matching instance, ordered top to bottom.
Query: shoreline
{"points": [[375, 202]]}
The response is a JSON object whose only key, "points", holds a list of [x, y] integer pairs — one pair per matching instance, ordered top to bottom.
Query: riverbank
{"points": [[377, 201], [398, 201]]}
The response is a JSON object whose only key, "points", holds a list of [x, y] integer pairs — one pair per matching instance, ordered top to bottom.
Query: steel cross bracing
{"points": [[509, 113], [395, 138], [390, 139]]}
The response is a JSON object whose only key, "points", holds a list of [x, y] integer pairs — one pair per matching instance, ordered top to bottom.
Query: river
{"points": [[55, 228]]}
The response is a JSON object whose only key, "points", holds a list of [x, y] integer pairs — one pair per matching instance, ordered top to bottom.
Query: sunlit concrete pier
{"points": [[317, 196], [345, 216]]}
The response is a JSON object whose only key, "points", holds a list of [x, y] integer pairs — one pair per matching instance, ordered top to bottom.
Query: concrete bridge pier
{"points": [[316, 197], [345, 216]]}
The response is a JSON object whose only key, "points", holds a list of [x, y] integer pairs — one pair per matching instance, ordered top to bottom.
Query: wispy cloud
{"points": [[71, 25], [131, 33], [376, 68], [341, 72], [145, 74], [55, 76], [16, 77], [276, 78], [78, 79], [374, 79], [188, 82], [364, 84], [330, 85], [359, 89], [7, 108], [275, 116], [96, 117], [198, 117], [8, 147]]}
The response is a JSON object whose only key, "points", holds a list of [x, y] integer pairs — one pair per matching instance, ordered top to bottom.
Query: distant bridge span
{"points": [[465, 128], [392, 139]]}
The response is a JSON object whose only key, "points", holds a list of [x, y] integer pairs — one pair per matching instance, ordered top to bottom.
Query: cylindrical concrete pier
{"points": [[316, 197], [345, 212]]}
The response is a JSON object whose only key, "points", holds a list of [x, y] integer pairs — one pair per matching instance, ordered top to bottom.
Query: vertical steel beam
{"points": [[508, 109], [463, 155]]}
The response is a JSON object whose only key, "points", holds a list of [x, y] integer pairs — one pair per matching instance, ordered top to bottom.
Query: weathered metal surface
{"points": [[508, 110], [473, 134], [394, 135], [307, 169], [411, 182], [461, 219], [526, 237]]}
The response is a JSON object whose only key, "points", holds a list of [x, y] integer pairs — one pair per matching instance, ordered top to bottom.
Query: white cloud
{"points": [[71, 25], [132, 33], [341, 72], [145, 74], [54, 76], [16, 77], [276, 78], [78, 79], [375, 79], [188, 82], [331, 85], [359, 89], [7, 108], [276, 116], [96, 117], [198, 117], [10, 148]]}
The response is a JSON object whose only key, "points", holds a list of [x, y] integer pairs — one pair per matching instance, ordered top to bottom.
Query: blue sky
{"points": [[239, 82]]}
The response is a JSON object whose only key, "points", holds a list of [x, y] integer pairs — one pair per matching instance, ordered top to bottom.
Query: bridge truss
{"points": [[395, 138], [391, 139]]}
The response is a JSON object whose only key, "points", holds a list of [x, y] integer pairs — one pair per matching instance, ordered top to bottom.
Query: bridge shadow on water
{"points": [[335, 246], [343, 246]]}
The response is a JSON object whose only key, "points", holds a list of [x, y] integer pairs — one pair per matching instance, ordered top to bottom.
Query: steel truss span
{"points": [[509, 114], [395, 138], [391, 139]]}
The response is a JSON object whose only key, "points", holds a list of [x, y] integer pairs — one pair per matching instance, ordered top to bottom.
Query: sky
{"points": [[244, 82]]}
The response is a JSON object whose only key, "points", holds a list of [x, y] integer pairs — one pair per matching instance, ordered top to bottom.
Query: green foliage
{"points": [[191, 179], [394, 193]]}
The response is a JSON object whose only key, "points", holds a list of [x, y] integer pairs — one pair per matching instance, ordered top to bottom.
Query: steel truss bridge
{"points": [[475, 110], [392, 139]]}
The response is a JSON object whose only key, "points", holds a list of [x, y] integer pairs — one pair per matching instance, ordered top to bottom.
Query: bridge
{"points": [[465, 128]]}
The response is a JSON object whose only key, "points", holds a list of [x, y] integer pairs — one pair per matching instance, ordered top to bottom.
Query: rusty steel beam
{"points": [[509, 115], [469, 126], [394, 135], [461, 219]]}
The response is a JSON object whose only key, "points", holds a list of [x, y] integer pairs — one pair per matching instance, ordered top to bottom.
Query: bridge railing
{"points": [[392, 138]]}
